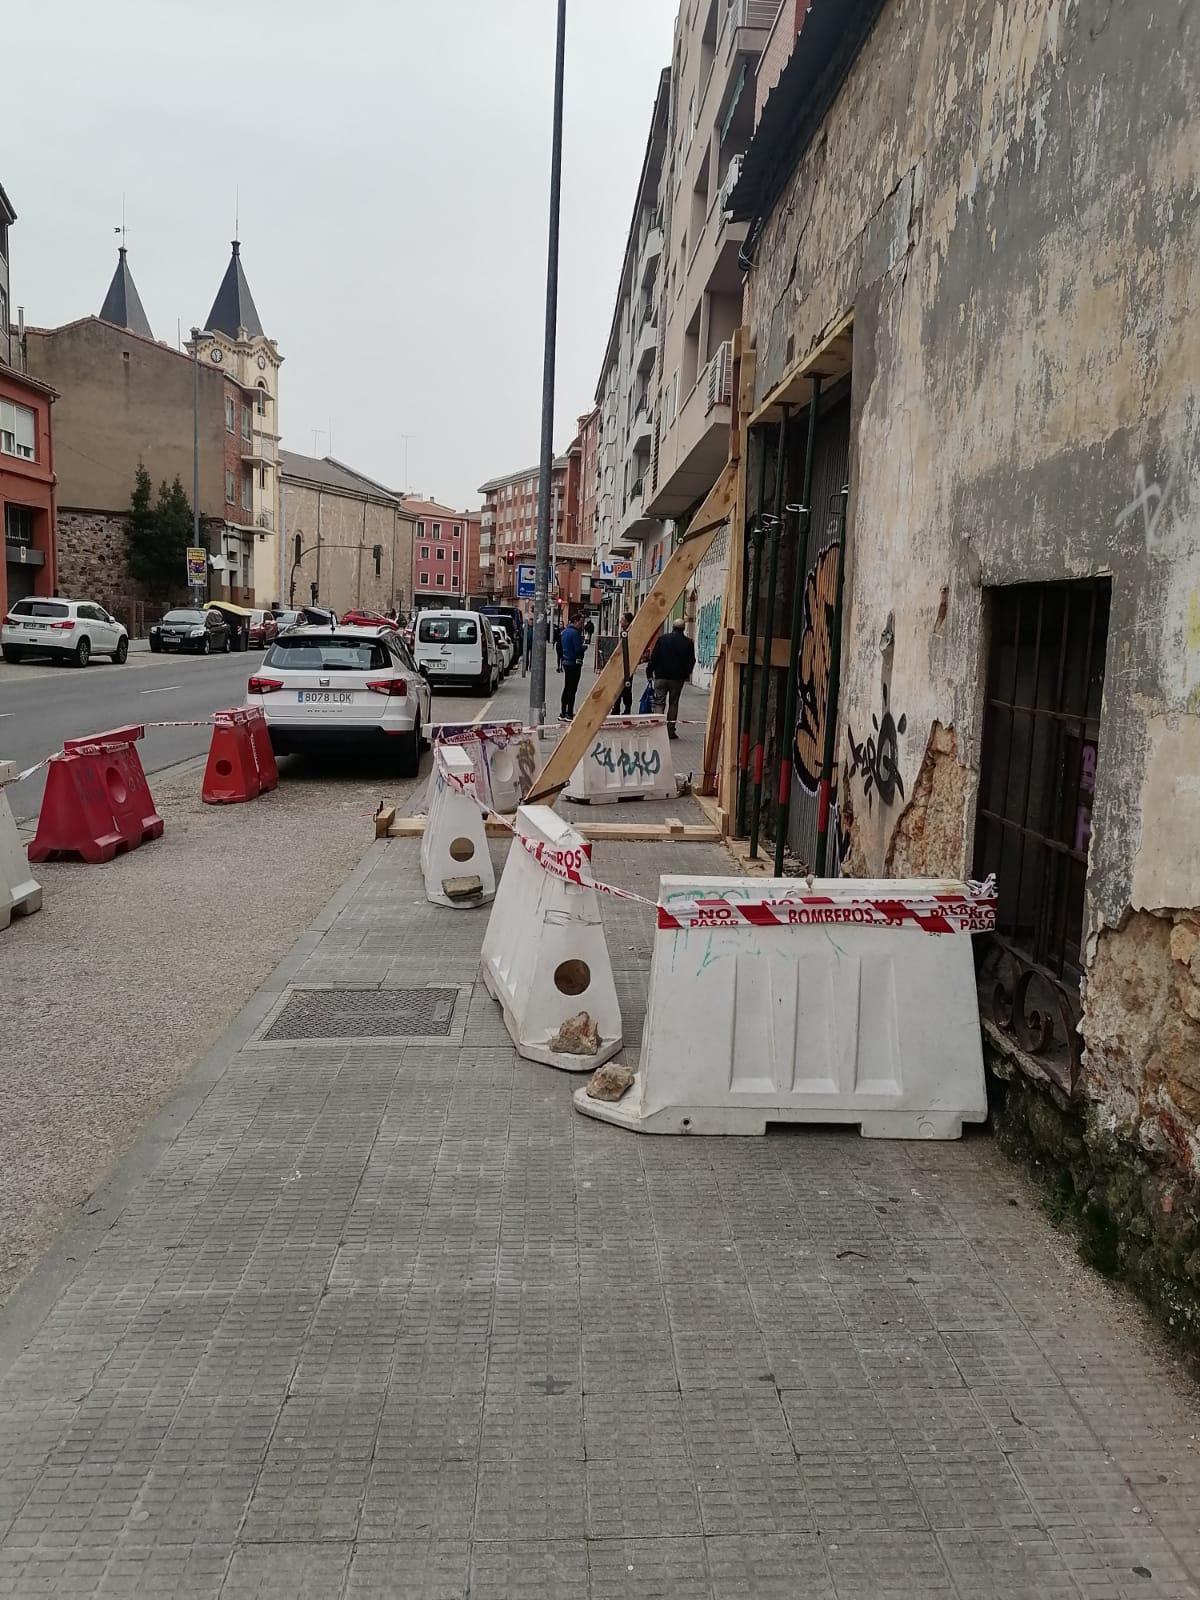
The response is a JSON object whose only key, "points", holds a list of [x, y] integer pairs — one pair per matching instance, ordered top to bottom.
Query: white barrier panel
{"points": [[505, 758], [629, 759], [455, 858], [20, 892], [545, 958], [835, 1000]]}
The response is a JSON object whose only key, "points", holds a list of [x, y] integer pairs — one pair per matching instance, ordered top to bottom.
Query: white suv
{"points": [[69, 630], [343, 685]]}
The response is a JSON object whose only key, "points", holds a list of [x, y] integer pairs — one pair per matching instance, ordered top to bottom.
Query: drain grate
{"points": [[364, 1014]]}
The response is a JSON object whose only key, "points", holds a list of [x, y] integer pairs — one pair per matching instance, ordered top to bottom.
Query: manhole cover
{"points": [[364, 1014]]}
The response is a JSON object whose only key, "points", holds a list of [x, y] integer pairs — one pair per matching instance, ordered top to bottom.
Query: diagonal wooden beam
{"points": [[655, 608]]}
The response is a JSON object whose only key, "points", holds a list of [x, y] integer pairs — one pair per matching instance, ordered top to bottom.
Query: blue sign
{"points": [[526, 581]]}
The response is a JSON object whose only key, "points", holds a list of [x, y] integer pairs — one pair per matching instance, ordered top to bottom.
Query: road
{"points": [[42, 704]]}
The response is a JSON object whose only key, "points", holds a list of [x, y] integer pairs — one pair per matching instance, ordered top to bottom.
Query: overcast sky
{"points": [[392, 158]]}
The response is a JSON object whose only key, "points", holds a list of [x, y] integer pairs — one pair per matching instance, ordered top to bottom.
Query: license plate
{"points": [[434, 666], [325, 697]]}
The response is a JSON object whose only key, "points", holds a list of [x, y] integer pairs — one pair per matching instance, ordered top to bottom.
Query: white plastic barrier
{"points": [[505, 758], [629, 759], [455, 857], [20, 892], [545, 958], [835, 1000]]}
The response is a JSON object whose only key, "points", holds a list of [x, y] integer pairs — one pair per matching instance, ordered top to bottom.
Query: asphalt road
{"points": [[41, 704]]}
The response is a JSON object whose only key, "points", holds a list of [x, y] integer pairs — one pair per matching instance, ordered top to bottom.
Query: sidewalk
{"points": [[368, 1316]]}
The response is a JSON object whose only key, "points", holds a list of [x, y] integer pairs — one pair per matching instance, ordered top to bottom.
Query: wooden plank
{"points": [[830, 359], [735, 583], [655, 608], [739, 651], [712, 727], [384, 818], [414, 827], [670, 832]]}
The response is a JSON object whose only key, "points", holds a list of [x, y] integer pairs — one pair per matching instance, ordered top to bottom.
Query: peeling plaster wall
{"points": [[1005, 196]]}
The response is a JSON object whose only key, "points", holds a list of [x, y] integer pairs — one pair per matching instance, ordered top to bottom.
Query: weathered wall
{"points": [[1004, 197], [349, 527]]}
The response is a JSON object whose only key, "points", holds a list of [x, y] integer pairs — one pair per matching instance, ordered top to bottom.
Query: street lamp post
{"points": [[198, 338], [537, 675]]}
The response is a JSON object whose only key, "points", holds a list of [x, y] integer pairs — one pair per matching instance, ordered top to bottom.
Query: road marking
{"points": [[166, 689], [483, 713], [4, 714]]}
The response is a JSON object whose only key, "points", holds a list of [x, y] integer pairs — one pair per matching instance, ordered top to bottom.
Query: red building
{"points": [[27, 498], [471, 526], [508, 537], [441, 564]]}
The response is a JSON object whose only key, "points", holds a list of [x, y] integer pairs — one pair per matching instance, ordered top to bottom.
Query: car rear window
{"points": [[39, 608], [447, 630], [327, 654]]}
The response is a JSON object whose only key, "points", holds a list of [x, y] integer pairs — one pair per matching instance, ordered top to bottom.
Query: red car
{"points": [[366, 619], [263, 628]]}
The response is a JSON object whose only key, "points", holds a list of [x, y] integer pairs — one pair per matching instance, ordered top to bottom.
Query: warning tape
{"points": [[102, 747], [974, 912]]}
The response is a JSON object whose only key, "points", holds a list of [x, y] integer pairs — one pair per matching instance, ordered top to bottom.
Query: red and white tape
{"points": [[974, 912]]}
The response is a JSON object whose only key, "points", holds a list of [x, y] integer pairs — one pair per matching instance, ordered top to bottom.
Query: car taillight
{"points": [[63, 625], [264, 685], [389, 686]]}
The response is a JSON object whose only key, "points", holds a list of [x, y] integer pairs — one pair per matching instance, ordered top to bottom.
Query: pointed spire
{"points": [[122, 303], [233, 311]]}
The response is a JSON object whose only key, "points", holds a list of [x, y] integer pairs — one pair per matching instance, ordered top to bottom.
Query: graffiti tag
{"points": [[1151, 500], [708, 632], [812, 689], [877, 758], [629, 763]]}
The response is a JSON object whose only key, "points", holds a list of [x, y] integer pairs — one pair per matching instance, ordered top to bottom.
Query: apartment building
{"points": [[717, 47], [626, 395], [509, 532], [440, 556]]}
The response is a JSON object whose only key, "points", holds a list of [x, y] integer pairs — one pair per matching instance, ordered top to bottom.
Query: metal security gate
{"points": [[831, 462], [1037, 777]]}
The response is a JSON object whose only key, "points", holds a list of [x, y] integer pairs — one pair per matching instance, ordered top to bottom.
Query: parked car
{"points": [[510, 618], [286, 619], [367, 619], [263, 628], [188, 629], [68, 630], [505, 646], [458, 647], [343, 685]]}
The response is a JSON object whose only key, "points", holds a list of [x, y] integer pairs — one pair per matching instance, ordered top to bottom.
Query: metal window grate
{"points": [[1045, 679], [364, 1014]]}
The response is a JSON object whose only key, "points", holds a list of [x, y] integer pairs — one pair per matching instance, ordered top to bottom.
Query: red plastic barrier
{"points": [[260, 739], [231, 774], [97, 801]]}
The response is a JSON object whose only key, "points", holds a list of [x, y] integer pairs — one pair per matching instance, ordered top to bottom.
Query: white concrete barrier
{"points": [[505, 758], [629, 759], [455, 857], [20, 892], [545, 958], [835, 1000]]}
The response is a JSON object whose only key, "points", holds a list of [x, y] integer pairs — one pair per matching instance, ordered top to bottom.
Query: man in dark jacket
{"points": [[671, 664], [572, 665]]}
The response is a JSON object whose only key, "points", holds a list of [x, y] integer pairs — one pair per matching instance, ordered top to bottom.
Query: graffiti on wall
{"points": [[708, 632], [816, 653], [877, 759], [629, 763]]}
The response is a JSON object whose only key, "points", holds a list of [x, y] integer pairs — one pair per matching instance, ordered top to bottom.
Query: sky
{"points": [[390, 162]]}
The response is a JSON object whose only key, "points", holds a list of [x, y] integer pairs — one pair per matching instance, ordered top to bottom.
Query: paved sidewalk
{"points": [[367, 1317]]}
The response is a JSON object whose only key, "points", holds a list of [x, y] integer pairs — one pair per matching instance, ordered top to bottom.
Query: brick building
{"points": [[27, 484], [508, 534], [348, 539], [442, 557]]}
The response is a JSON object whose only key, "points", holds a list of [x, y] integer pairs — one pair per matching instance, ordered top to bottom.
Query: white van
{"points": [[457, 647]]}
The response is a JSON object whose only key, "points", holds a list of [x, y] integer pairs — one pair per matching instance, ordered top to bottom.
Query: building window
{"points": [[260, 403], [230, 414], [246, 414], [17, 425], [262, 477], [230, 488], [247, 489], [18, 524], [420, 530], [436, 530], [458, 531], [424, 552], [441, 555], [377, 556], [297, 558], [454, 558], [423, 580], [1037, 778]]}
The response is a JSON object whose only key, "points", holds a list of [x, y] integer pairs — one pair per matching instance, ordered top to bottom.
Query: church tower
{"points": [[122, 304], [236, 344]]}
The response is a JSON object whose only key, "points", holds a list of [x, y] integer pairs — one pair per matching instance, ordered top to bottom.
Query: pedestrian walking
{"points": [[528, 642], [558, 648], [572, 649], [672, 662], [623, 704]]}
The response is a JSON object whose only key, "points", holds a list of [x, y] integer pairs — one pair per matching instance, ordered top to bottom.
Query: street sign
{"points": [[197, 567], [617, 571], [526, 581]]}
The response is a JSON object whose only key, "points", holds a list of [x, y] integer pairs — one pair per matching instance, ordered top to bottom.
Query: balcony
{"points": [[728, 184], [652, 250], [647, 346], [718, 378], [641, 430], [260, 449], [263, 521]]}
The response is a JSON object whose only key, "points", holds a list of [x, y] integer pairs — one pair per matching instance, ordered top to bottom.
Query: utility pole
{"points": [[198, 338], [537, 675]]}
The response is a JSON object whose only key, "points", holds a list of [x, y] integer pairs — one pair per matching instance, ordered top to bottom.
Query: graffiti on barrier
{"points": [[708, 632], [816, 647], [877, 759], [629, 763]]}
